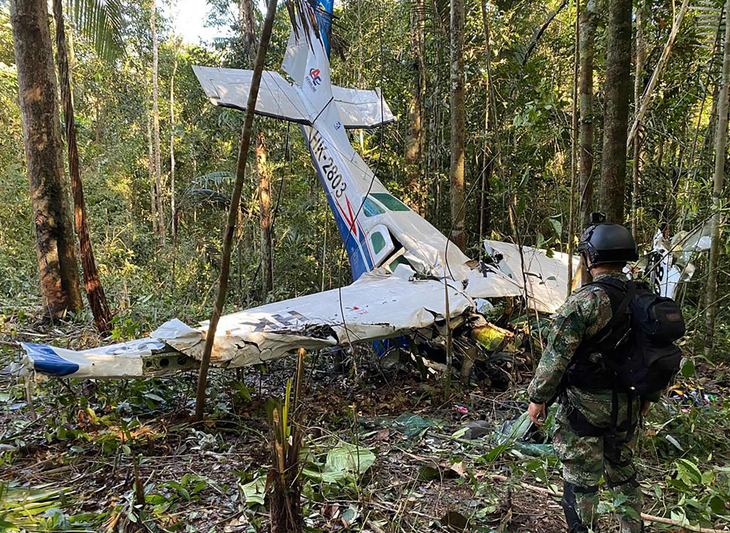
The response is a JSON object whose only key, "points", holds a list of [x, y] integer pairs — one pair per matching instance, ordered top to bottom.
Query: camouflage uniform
{"points": [[584, 440]]}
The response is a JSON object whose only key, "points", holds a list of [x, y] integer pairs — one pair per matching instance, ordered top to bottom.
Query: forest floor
{"points": [[85, 454]]}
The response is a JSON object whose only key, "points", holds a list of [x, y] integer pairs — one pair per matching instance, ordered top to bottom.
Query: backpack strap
{"points": [[618, 310]]}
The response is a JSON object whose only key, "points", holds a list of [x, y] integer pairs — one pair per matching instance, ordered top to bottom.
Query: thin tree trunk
{"points": [[588, 23], [536, 37], [617, 90], [648, 92], [637, 96], [458, 121], [156, 122], [415, 137], [172, 144], [573, 145], [43, 153], [151, 172], [718, 184], [485, 208], [233, 209], [267, 248], [92, 283]]}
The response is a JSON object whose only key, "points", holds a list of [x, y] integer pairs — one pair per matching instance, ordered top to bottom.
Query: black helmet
{"points": [[608, 243]]}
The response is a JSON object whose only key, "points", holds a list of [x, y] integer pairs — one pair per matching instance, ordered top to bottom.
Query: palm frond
{"points": [[102, 23], [216, 178]]}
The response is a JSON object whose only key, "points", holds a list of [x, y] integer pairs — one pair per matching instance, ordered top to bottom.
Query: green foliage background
{"points": [[373, 49]]}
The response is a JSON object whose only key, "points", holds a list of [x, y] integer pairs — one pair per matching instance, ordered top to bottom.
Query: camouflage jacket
{"points": [[583, 314]]}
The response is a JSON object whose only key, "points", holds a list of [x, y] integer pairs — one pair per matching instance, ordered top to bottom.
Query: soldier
{"points": [[594, 424]]}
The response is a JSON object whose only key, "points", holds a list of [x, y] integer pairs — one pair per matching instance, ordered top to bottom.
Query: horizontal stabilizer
{"points": [[228, 87], [361, 108]]}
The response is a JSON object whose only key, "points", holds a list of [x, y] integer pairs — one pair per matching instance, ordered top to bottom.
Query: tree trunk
{"points": [[588, 22], [248, 28], [617, 89], [646, 100], [637, 103], [458, 120], [156, 123], [415, 138], [172, 145], [573, 146], [43, 152], [151, 172], [717, 189], [485, 206], [233, 209], [267, 248], [92, 283]]}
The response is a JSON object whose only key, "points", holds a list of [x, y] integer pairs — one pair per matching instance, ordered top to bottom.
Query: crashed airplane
{"points": [[408, 276]]}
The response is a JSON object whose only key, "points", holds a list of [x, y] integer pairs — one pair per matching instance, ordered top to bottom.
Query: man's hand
{"points": [[645, 408], [537, 413]]}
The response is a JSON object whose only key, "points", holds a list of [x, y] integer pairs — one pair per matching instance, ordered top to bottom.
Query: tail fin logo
{"points": [[315, 77]]}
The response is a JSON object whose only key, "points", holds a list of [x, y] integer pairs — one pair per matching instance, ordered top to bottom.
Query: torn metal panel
{"points": [[547, 277]]}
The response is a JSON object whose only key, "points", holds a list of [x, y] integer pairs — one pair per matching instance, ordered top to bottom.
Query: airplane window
{"points": [[390, 202], [371, 208], [378, 242], [400, 260]]}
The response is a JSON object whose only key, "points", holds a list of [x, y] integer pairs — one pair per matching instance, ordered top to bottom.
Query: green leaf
{"points": [[102, 22], [557, 226], [688, 368], [153, 396], [343, 462], [688, 472], [255, 492], [717, 505]]}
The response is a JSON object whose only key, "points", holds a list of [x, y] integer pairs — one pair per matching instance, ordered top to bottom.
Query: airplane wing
{"points": [[229, 87], [547, 277], [378, 305]]}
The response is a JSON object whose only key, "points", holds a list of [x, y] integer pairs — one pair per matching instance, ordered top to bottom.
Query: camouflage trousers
{"points": [[589, 453]]}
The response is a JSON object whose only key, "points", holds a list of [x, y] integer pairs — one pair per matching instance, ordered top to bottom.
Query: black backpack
{"points": [[637, 347]]}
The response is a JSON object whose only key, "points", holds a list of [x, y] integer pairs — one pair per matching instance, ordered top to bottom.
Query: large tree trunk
{"points": [[588, 22], [248, 28], [638, 67], [618, 86], [458, 120], [156, 123], [415, 138], [43, 152], [717, 189], [267, 246], [92, 283]]}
